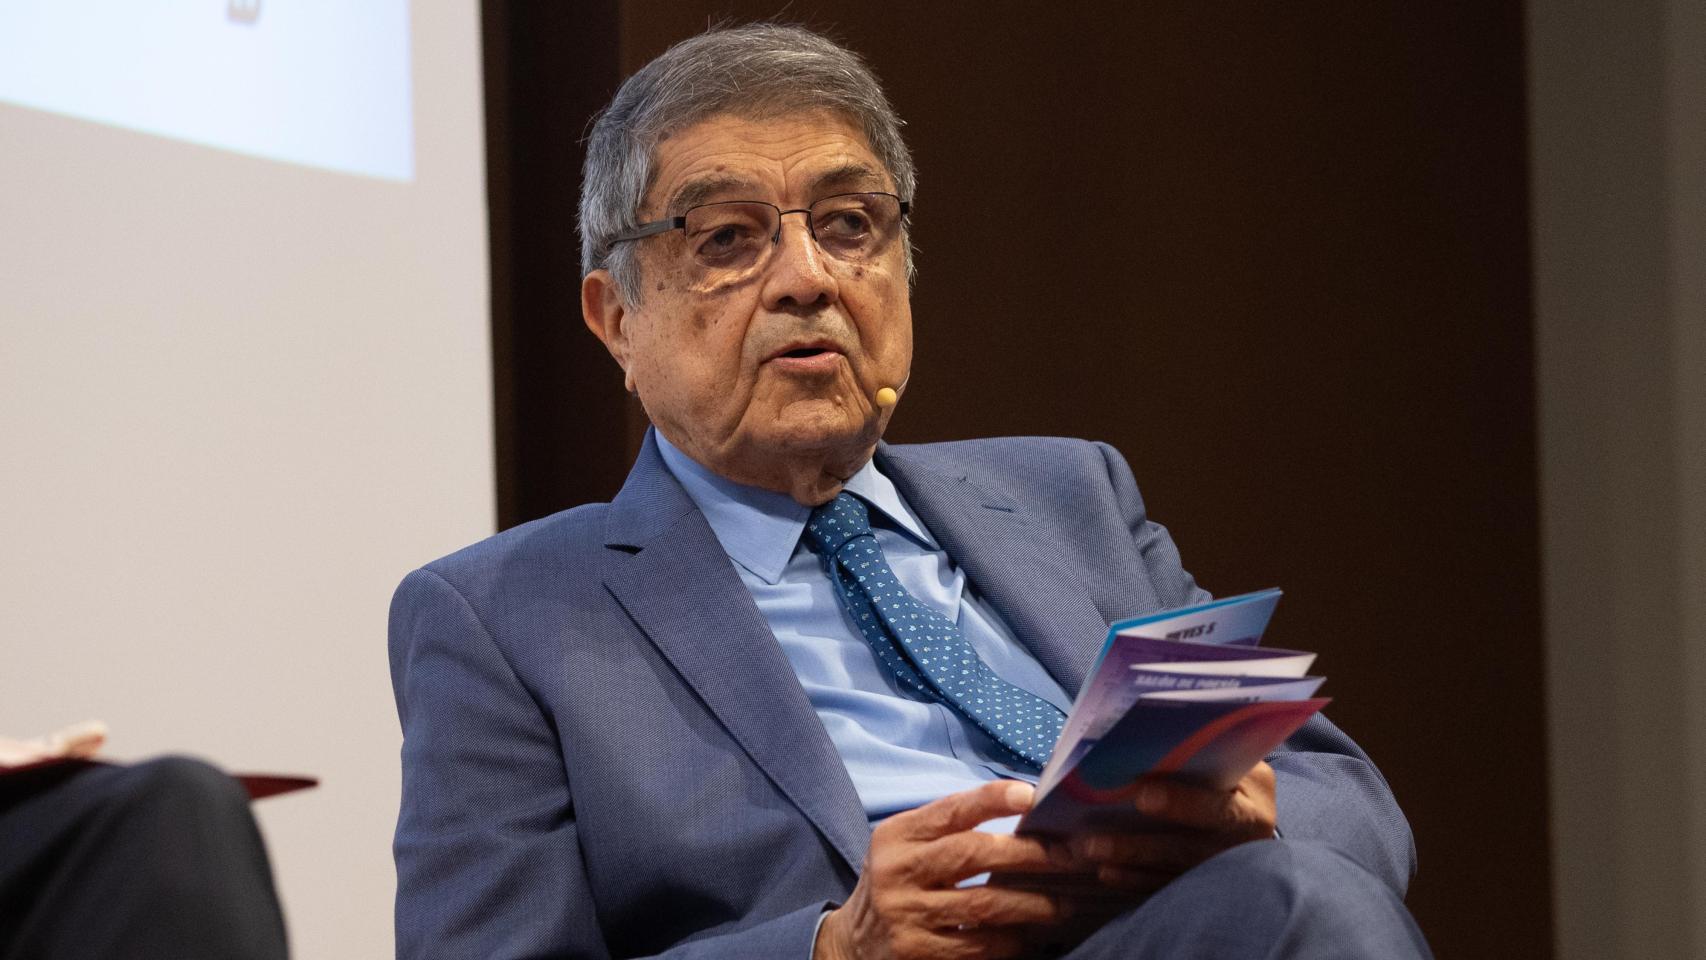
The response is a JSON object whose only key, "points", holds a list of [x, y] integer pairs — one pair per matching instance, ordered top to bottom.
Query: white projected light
{"points": [[323, 83], [245, 385]]}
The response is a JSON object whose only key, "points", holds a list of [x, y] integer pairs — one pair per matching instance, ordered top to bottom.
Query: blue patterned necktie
{"points": [[924, 650]]}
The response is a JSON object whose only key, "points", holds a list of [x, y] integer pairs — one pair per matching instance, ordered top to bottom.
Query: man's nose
{"points": [[798, 275]]}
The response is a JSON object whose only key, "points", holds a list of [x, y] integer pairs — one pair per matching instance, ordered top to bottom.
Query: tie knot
{"points": [[833, 524]]}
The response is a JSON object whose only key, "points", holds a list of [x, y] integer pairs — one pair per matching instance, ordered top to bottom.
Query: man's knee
{"points": [[184, 785], [187, 811], [1287, 874], [1276, 898]]}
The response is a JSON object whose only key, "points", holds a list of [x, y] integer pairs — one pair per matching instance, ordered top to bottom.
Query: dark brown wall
{"points": [[1275, 253], [560, 413]]}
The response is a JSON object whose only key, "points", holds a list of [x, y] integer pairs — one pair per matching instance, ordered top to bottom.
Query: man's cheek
{"points": [[708, 320]]}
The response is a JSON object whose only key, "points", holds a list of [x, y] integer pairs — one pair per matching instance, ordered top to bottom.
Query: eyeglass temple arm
{"points": [[654, 228]]}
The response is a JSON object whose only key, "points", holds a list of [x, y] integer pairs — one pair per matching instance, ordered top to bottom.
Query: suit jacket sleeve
{"points": [[1173, 586], [1327, 788], [488, 861]]}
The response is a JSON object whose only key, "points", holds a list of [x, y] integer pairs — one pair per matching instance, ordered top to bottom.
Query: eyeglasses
{"points": [[732, 238]]}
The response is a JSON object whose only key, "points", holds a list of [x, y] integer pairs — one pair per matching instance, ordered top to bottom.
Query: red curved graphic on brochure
{"points": [[1228, 746], [1221, 751], [1074, 786]]}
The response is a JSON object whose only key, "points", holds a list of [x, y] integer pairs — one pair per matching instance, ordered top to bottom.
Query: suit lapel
{"points": [[1015, 566], [681, 589]]}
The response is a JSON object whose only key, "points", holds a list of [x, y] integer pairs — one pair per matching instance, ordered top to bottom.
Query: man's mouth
{"points": [[806, 351], [812, 359]]}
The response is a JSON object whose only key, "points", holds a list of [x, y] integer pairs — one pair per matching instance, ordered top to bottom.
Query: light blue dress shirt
{"points": [[901, 752]]}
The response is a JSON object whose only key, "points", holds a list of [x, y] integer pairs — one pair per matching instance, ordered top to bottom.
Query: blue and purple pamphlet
{"points": [[1186, 694]]}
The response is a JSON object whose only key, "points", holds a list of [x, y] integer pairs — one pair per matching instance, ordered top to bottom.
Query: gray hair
{"points": [[760, 71]]}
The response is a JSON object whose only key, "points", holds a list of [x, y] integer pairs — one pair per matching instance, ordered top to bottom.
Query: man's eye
{"points": [[849, 224], [724, 240]]}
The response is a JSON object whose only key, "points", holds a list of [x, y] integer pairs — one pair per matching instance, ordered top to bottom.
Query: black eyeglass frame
{"points": [[667, 224]]}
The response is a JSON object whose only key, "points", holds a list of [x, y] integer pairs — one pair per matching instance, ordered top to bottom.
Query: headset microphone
{"points": [[889, 396]]}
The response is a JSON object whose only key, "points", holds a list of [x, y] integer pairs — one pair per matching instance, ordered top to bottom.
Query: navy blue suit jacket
{"points": [[605, 752]]}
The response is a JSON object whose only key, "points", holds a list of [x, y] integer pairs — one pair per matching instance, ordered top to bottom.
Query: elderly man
{"points": [[712, 718]]}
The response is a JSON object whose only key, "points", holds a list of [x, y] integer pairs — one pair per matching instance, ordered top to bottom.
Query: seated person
{"points": [[759, 705], [159, 859]]}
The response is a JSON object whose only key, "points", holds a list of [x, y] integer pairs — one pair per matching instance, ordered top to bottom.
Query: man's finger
{"points": [[1260, 779], [1202, 808], [962, 811], [1172, 851], [950, 859], [1134, 879], [985, 907], [993, 943], [997, 943]]}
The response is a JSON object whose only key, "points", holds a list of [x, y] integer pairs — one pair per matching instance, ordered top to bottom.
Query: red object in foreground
{"points": [[259, 785], [263, 785]]}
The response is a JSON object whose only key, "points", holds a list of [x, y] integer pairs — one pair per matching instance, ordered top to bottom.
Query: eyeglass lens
{"points": [[736, 236]]}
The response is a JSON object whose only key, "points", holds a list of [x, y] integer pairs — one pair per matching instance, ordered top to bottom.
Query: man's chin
{"points": [[822, 434], [802, 450]]}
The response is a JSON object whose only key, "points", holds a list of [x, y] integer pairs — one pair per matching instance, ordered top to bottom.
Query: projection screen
{"points": [[244, 388]]}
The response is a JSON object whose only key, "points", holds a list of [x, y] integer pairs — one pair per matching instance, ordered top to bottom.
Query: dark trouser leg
{"points": [[161, 859], [1270, 900]]}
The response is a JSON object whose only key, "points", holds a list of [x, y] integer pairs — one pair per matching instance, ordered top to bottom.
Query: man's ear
{"points": [[606, 317]]}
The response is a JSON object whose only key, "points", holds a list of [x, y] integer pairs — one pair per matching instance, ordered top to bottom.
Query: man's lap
{"points": [[1273, 899]]}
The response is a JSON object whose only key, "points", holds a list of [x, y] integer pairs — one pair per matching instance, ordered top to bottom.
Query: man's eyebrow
{"points": [[852, 175], [847, 176], [698, 190]]}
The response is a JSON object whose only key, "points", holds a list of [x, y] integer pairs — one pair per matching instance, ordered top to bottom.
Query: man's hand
{"points": [[79, 741], [1200, 823], [906, 903]]}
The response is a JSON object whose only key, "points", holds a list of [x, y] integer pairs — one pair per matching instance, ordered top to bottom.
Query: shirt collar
{"points": [[759, 529]]}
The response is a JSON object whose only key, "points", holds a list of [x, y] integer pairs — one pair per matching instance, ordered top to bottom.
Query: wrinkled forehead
{"points": [[752, 157]]}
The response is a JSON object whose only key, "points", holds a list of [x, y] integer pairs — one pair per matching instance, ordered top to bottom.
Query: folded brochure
{"points": [[1186, 694]]}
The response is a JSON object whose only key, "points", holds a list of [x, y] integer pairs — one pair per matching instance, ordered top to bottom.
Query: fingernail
{"points": [[1019, 794], [1151, 798], [1093, 848]]}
